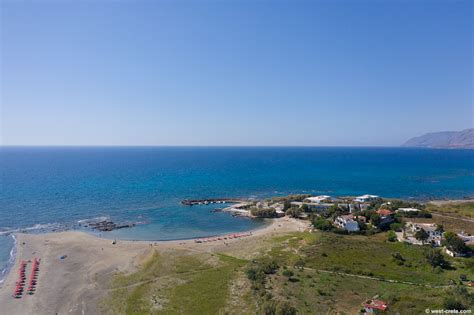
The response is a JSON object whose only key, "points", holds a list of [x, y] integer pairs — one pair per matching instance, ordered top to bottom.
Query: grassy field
{"points": [[465, 209], [370, 256], [339, 273], [174, 283], [313, 292]]}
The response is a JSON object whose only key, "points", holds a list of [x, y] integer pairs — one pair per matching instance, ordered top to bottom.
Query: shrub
{"points": [[293, 212], [264, 213], [322, 224], [396, 227], [341, 231], [391, 236], [455, 243], [397, 257], [436, 259], [300, 264], [287, 273], [451, 303]]}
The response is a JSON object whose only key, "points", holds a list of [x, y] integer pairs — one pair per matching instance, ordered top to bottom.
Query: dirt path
{"points": [[453, 217], [378, 279]]}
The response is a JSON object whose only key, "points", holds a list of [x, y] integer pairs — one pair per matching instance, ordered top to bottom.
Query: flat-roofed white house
{"points": [[366, 198], [317, 199], [407, 210], [347, 223]]}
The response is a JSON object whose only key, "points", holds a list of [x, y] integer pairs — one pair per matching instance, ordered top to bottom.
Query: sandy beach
{"points": [[75, 284]]}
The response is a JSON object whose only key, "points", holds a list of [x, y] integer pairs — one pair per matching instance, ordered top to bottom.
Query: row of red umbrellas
{"points": [[33, 276], [20, 283]]}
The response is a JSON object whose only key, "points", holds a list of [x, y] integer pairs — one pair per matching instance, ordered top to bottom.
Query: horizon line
{"points": [[197, 146]]}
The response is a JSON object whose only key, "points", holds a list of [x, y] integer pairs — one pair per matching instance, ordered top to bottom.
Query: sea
{"points": [[54, 188]]}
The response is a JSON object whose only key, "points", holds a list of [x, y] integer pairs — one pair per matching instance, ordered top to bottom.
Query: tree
{"points": [[305, 208], [333, 211], [264, 212], [293, 212], [375, 219], [322, 224], [362, 225], [422, 235], [391, 236], [455, 243], [435, 258], [288, 273], [450, 303]]}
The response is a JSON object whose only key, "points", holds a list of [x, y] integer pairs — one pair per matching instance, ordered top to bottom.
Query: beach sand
{"points": [[76, 284]]}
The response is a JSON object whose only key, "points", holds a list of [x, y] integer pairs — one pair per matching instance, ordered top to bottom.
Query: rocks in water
{"points": [[105, 226]]}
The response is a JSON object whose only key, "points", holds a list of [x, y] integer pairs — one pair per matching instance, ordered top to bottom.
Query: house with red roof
{"points": [[384, 212], [372, 306]]}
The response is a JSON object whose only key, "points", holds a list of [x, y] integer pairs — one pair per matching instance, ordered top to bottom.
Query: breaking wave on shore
{"points": [[11, 261]]}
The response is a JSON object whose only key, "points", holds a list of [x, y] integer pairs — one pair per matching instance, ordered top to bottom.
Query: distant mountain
{"points": [[446, 139]]}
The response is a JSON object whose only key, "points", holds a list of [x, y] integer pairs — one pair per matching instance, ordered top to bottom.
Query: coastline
{"points": [[11, 261], [76, 283]]}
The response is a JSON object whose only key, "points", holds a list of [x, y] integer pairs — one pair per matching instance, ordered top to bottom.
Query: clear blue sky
{"points": [[234, 72]]}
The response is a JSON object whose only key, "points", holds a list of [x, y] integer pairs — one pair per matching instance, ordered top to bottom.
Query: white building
{"points": [[365, 198], [317, 199], [407, 210], [347, 222], [434, 235], [467, 238], [453, 253]]}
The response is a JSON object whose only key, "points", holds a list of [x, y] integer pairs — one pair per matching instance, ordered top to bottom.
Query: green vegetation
{"points": [[289, 198], [394, 204], [465, 209], [263, 212], [294, 212], [322, 224], [397, 227], [422, 235], [391, 236], [455, 243], [365, 255], [435, 258], [336, 267], [300, 273], [177, 284], [206, 291], [459, 298]]}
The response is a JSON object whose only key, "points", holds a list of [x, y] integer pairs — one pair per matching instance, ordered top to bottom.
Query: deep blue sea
{"points": [[57, 186]]}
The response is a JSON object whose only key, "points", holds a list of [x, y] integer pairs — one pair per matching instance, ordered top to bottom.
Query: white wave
{"points": [[92, 220], [47, 226], [10, 262]]}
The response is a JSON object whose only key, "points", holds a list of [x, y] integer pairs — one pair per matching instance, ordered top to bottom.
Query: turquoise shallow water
{"points": [[48, 187]]}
